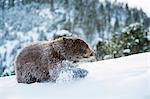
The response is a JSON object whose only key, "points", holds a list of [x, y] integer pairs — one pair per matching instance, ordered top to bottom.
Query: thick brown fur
{"points": [[38, 61]]}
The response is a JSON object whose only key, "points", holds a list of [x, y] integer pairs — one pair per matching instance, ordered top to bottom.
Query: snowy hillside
{"points": [[122, 78]]}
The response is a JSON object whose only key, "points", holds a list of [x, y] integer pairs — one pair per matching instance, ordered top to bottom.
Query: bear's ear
{"points": [[65, 39], [68, 40], [79, 41]]}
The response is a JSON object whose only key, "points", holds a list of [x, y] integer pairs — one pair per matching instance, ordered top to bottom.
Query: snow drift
{"points": [[122, 78]]}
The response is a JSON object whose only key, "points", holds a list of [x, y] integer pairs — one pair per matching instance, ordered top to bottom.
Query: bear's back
{"points": [[30, 53]]}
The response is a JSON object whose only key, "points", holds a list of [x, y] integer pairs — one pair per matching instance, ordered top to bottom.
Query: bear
{"points": [[38, 61]]}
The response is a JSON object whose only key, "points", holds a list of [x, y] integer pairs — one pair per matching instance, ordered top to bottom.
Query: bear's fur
{"points": [[38, 61]]}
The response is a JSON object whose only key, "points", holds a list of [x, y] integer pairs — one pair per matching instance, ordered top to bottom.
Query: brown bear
{"points": [[38, 61]]}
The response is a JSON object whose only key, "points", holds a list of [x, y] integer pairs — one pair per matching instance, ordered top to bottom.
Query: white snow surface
{"points": [[140, 4], [121, 78]]}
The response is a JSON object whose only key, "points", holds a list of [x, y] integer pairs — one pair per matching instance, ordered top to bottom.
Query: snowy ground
{"points": [[122, 78]]}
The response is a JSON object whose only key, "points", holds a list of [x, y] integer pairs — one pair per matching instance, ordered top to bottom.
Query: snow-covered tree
{"points": [[134, 39]]}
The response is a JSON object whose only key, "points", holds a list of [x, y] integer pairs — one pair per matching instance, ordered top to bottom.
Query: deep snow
{"points": [[122, 78]]}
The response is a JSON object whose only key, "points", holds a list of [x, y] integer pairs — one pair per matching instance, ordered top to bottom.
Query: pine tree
{"points": [[11, 3], [116, 25], [132, 41]]}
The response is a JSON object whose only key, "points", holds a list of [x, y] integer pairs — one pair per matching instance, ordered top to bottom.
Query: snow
{"points": [[140, 4], [144, 4], [63, 32], [148, 36], [126, 50], [121, 78]]}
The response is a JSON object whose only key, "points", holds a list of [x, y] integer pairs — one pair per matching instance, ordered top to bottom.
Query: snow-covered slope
{"points": [[122, 78]]}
